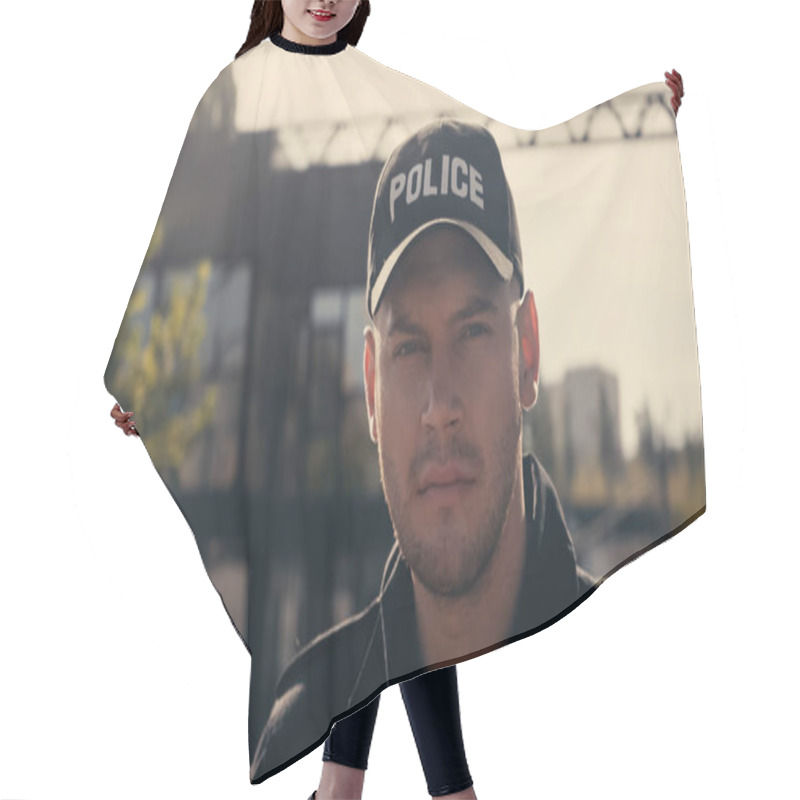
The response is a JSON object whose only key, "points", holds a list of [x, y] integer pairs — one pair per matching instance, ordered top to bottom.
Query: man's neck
{"points": [[452, 627]]}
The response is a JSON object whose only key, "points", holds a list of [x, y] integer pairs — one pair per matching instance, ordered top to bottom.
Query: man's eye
{"points": [[475, 329], [470, 332], [405, 348]]}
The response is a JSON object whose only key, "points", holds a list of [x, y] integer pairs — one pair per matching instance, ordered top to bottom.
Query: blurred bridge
{"points": [[635, 115]]}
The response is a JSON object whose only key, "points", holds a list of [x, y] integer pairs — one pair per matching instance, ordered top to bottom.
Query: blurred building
{"points": [[575, 431]]}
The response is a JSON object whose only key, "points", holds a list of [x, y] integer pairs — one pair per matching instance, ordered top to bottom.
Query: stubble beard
{"points": [[449, 556]]}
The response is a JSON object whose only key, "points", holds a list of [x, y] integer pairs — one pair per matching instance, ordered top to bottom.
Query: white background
{"points": [[120, 673]]}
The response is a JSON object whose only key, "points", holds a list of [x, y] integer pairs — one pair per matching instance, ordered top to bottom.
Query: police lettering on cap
{"points": [[447, 172], [458, 177]]}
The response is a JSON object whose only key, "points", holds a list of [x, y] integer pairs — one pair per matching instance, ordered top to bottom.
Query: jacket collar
{"points": [[549, 583]]}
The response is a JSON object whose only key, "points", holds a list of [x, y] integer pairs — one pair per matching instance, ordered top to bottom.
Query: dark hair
{"points": [[266, 18], [516, 293]]}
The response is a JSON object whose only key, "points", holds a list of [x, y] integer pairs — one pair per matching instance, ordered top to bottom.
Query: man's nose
{"points": [[443, 406]]}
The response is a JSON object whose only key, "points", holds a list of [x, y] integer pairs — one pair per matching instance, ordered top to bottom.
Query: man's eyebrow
{"points": [[477, 305]]}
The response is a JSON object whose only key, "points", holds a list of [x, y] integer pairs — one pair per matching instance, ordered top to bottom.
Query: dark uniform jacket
{"points": [[347, 666]]}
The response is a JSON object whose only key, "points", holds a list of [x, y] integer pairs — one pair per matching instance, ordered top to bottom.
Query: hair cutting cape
{"points": [[242, 354]]}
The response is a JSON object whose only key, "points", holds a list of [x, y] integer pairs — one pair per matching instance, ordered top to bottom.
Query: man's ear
{"points": [[528, 332], [369, 379]]}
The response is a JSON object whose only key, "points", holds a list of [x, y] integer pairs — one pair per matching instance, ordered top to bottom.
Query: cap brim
{"points": [[500, 261]]}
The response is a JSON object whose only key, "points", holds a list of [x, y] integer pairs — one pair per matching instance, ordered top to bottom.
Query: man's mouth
{"points": [[447, 477], [447, 493]]}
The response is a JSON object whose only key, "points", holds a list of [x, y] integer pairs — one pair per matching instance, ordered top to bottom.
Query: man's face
{"points": [[447, 418]]}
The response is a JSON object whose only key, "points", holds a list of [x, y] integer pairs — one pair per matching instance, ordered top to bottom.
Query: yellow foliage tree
{"points": [[162, 372]]}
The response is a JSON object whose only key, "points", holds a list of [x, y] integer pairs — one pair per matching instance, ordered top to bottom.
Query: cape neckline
{"points": [[308, 49]]}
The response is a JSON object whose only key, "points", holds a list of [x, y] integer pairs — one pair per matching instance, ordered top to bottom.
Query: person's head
{"points": [[343, 19], [451, 356]]}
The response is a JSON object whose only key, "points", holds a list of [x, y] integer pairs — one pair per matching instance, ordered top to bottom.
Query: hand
{"points": [[675, 82], [124, 420]]}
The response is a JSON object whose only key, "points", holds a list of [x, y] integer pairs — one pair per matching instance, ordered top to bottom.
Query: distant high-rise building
{"points": [[591, 423]]}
